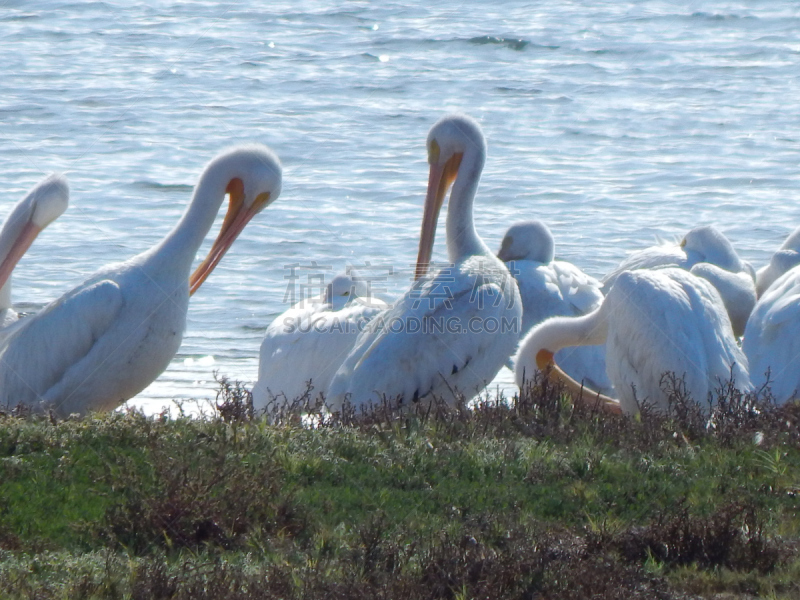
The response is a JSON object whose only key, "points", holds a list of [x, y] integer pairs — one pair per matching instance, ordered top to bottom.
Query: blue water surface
{"points": [[615, 122]]}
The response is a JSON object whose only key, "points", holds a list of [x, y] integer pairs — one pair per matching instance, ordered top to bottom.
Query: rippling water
{"points": [[615, 122]]}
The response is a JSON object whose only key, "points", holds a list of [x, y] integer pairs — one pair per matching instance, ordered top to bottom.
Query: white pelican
{"points": [[41, 206], [701, 244], [787, 257], [554, 288], [652, 322], [452, 331], [772, 337], [108, 338], [308, 342]]}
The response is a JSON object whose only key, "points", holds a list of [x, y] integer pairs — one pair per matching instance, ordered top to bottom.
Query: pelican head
{"points": [[450, 139], [251, 176], [41, 206], [528, 240], [708, 244], [344, 288]]}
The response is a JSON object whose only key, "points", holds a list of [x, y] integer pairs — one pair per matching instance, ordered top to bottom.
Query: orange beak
{"points": [[440, 179], [236, 218], [18, 250], [546, 363]]}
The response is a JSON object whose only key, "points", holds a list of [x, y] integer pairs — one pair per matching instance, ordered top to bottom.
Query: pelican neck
{"points": [[462, 239], [181, 244], [5, 295], [563, 332]]}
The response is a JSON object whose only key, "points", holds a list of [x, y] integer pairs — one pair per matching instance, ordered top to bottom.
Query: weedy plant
{"points": [[522, 498]]}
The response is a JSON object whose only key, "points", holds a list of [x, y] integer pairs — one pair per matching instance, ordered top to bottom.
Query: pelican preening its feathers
{"points": [[657, 318], [652, 322], [107, 339], [403, 354]]}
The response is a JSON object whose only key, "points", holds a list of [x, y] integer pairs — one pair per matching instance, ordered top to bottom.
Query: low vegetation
{"points": [[529, 498]]}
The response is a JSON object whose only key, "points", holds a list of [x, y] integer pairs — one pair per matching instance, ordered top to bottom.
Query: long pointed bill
{"points": [[439, 180], [235, 219], [17, 251], [546, 363]]}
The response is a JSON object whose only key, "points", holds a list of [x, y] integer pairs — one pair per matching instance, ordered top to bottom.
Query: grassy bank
{"points": [[530, 500]]}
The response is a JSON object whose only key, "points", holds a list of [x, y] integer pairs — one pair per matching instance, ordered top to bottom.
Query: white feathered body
{"points": [[649, 258], [785, 258], [555, 289], [668, 320], [449, 334], [772, 337], [105, 341], [307, 344]]}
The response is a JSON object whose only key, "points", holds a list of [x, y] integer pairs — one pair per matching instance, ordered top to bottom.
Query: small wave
{"points": [[23, 17], [719, 17], [512, 43], [166, 74], [518, 91], [557, 100], [90, 102], [166, 187]]}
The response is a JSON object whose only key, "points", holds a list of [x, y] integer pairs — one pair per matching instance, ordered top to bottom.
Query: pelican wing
{"points": [[648, 258], [580, 290], [664, 321], [68, 328], [446, 334], [772, 337], [302, 346]]}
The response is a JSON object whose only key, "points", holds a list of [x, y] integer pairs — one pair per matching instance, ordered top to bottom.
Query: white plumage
{"points": [[46, 201], [701, 244], [784, 259], [553, 288], [737, 290], [652, 322], [453, 331], [772, 337], [108, 338], [309, 342]]}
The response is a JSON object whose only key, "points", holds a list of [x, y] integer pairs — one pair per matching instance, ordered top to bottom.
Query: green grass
{"points": [[531, 500]]}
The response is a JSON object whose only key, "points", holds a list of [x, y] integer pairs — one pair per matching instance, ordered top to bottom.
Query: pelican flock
{"points": [[693, 309]]}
